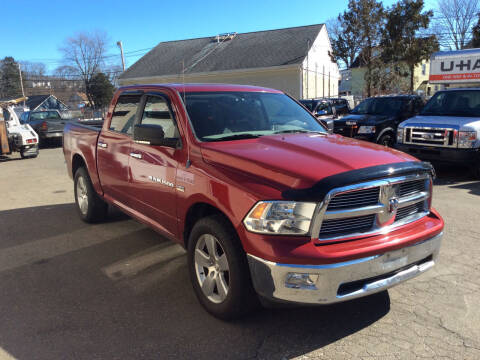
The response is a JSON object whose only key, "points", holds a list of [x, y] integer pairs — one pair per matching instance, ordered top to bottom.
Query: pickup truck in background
{"points": [[376, 119], [48, 124], [447, 130], [269, 206]]}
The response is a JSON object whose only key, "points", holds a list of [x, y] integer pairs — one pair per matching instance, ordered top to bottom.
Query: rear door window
{"points": [[123, 117]]}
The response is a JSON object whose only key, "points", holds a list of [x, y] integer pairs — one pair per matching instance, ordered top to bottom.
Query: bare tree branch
{"points": [[454, 21], [85, 53]]}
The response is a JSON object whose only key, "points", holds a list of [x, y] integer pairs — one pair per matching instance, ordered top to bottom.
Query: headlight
{"points": [[366, 129], [399, 135], [466, 139], [280, 217]]}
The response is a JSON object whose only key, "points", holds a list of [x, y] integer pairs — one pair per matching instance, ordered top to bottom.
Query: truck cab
{"points": [[446, 130]]}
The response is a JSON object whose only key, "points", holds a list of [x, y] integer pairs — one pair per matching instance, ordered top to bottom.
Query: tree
{"points": [[365, 19], [454, 22], [344, 38], [400, 42], [475, 43], [85, 53], [33, 69], [9, 78], [101, 90]]}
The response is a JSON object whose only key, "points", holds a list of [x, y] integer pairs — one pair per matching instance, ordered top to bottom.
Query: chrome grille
{"points": [[438, 137], [355, 199], [370, 208]]}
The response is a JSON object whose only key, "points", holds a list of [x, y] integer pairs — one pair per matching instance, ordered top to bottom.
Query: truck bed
{"points": [[79, 138]]}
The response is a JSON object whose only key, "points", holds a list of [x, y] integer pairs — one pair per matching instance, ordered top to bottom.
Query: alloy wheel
{"points": [[211, 268]]}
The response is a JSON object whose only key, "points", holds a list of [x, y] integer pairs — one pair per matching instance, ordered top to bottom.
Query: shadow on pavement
{"points": [[4, 158], [457, 177], [118, 290]]}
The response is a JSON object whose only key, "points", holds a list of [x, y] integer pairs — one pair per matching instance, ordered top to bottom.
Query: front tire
{"points": [[386, 140], [90, 207], [218, 269]]}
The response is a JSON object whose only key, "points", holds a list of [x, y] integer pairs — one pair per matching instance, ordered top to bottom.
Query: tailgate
{"points": [[56, 125]]}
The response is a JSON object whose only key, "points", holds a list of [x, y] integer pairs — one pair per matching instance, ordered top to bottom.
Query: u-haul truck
{"points": [[448, 127]]}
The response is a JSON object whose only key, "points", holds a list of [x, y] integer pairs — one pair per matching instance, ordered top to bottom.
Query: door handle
{"points": [[102, 145], [136, 155]]}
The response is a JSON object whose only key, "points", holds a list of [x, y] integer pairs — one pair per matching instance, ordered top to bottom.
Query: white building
{"points": [[296, 60]]}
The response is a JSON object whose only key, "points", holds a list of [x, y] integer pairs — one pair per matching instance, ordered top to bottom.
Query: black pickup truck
{"points": [[376, 119], [47, 124]]}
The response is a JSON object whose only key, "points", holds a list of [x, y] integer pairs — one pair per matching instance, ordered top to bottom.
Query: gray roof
{"points": [[258, 49]]}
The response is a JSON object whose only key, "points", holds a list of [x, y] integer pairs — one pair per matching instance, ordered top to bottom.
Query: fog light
{"points": [[301, 281]]}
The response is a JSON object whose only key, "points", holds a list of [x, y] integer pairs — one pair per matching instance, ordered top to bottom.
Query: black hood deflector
{"points": [[318, 191]]}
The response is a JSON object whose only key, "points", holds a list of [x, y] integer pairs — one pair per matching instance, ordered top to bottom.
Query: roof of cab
{"points": [[201, 87]]}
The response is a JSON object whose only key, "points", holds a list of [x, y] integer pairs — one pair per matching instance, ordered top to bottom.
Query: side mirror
{"points": [[321, 112], [148, 134]]}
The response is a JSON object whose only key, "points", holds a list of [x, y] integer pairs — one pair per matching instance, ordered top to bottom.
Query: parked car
{"points": [[376, 119], [48, 124], [446, 130], [267, 203]]}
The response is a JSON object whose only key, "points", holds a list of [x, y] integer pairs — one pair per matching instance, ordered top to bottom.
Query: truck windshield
{"points": [[453, 103], [379, 106], [221, 116]]}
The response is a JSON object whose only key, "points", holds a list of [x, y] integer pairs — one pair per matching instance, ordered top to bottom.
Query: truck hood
{"points": [[456, 122], [298, 160]]}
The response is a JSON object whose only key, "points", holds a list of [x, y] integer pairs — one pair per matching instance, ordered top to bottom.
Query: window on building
{"points": [[424, 69]]}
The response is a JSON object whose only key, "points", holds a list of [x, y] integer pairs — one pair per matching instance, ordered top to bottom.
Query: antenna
{"points": [[188, 163]]}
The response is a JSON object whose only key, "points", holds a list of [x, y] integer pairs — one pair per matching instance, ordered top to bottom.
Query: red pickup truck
{"points": [[268, 204]]}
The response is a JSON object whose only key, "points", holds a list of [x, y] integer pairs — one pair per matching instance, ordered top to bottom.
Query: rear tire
{"points": [[386, 140], [90, 206], [219, 270]]}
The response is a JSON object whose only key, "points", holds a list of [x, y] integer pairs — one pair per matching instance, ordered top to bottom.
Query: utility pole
{"points": [[120, 45], [21, 82]]}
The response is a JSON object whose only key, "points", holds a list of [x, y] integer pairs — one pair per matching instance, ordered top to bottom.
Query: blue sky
{"points": [[33, 30]]}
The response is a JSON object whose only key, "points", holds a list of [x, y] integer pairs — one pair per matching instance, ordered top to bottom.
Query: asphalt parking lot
{"points": [[118, 290]]}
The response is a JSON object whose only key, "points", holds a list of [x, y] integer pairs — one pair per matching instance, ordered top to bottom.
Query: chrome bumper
{"points": [[330, 283]]}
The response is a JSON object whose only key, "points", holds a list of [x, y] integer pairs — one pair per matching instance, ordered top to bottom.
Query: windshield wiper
{"points": [[296, 131], [235, 137]]}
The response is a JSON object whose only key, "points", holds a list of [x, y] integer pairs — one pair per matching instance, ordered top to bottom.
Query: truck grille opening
{"points": [[411, 187], [358, 198], [361, 209], [409, 210], [347, 226]]}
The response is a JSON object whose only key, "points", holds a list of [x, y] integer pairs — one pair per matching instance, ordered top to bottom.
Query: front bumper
{"points": [[438, 154], [331, 283]]}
